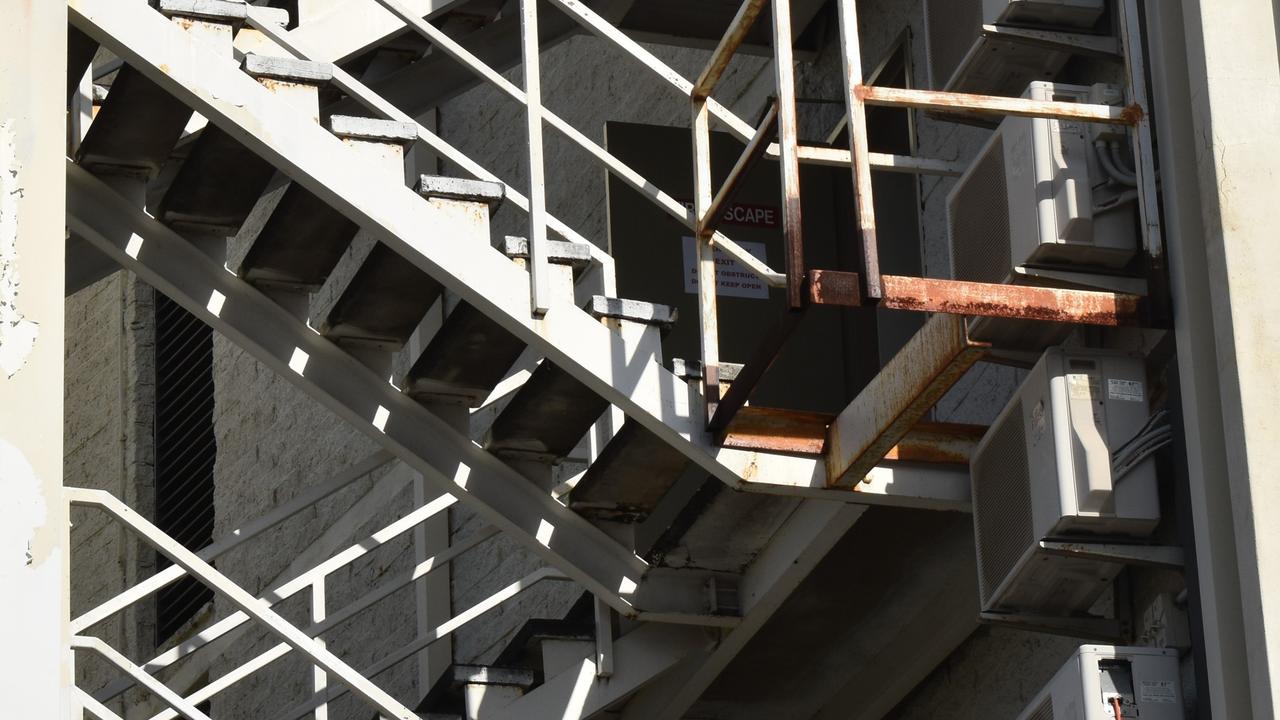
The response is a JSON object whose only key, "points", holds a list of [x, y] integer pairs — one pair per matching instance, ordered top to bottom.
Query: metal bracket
{"points": [[1112, 283], [1157, 556]]}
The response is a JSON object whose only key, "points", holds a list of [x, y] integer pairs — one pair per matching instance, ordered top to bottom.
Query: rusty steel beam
{"points": [[729, 44], [1003, 106], [955, 297], [1078, 307], [895, 400], [793, 432], [800, 432], [941, 443]]}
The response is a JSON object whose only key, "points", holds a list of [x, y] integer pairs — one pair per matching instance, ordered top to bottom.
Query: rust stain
{"points": [[1133, 114], [1011, 301], [791, 432], [942, 443]]}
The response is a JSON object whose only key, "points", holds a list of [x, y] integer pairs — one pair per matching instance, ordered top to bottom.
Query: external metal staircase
{"points": [[292, 232]]}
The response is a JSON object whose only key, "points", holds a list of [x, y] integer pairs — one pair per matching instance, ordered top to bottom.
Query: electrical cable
{"points": [[1121, 177], [1115, 705]]}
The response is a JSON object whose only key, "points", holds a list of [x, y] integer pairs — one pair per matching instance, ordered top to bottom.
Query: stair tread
{"points": [[224, 10], [287, 69], [136, 128], [218, 184], [452, 188], [300, 239], [376, 295], [469, 356], [547, 416], [630, 477], [524, 644]]}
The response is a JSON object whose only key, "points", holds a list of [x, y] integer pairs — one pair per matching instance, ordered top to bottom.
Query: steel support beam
{"points": [[956, 297], [898, 397], [37, 680]]}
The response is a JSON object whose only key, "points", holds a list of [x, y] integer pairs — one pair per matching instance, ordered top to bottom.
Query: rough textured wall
{"points": [[108, 397]]}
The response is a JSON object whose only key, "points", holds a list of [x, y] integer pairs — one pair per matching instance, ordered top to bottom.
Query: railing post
{"points": [[858, 149], [789, 157], [538, 271], [707, 314], [319, 678]]}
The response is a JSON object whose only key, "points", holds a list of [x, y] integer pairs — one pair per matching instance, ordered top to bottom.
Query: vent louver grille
{"points": [[953, 29], [979, 217], [185, 449], [1001, 502], [1044, 712]]}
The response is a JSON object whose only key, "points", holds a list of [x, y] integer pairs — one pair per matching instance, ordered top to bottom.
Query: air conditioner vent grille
{"points": [[953, 27], [979, 216], [1002, 502], [1044, 712]]}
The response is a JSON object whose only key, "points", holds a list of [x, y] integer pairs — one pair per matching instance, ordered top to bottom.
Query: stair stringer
{"points": [[599, 358], [445, 456]]}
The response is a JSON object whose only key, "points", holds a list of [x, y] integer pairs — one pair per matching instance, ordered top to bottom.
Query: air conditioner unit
{"points": [[968, 52], [1037, 196], [1044, 471], [1142, 682]]}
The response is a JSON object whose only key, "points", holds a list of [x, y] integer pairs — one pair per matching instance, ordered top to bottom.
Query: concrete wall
{"points": [[109, 394]]}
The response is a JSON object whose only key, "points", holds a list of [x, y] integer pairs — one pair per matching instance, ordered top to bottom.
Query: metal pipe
{"points": [[789, 162]]}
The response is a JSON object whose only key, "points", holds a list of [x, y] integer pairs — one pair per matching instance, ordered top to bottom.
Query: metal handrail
{"points": [[302, 581], [242, 599]]}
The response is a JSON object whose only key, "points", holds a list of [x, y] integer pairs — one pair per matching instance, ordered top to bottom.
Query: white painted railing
{"points": [[259, 609]]}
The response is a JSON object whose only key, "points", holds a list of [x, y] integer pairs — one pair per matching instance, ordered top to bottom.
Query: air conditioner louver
{"points": [[979, 219], [1043, 472]]}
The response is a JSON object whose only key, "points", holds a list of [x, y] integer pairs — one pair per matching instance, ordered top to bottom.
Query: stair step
{"points": [[233, 12], [139, 123], [135, 130], [217, 186], [451, 188], [291, 238], [373, 296], [660, 316], [470, 354], [466, 359], [547, 417], [633, 473], [546, 646], [448, 697]]}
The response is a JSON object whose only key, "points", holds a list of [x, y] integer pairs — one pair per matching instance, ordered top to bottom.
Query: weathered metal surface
{"points": [[724, 52], [993, 105], [856, 116], [788, 159], [884, 162], [955, 297], [1011, 301], [895, 400], [799, 432], [943, 443], [629, 478]]}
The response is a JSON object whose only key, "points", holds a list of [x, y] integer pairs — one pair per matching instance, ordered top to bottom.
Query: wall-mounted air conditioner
{"points": [[974, 45], [1038, 196], [1056, 466], [1101, 682]]}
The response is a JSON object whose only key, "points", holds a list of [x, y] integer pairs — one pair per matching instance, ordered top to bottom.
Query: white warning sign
{"points": [[732, 279]]}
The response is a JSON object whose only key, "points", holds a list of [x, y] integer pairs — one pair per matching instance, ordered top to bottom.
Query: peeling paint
{"points": [[17, 334], [22, 514]]}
